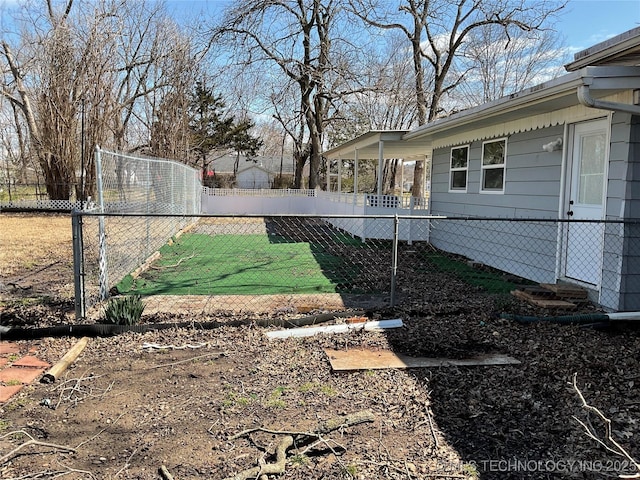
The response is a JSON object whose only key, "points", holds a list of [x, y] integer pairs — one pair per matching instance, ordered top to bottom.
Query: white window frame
{"points": [[502, 166], [459, 169]]}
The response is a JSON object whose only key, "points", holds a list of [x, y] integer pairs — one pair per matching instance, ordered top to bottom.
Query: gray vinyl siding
{"points": [[532, 180], [532, 190], [525, 249], [621, 260]]}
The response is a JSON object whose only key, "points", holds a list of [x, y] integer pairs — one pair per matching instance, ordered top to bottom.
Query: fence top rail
{"points": [[148, 159], [353, 216]]}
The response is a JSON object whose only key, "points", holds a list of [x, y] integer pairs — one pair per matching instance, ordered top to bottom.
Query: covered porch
{"points": [[381, 146]]}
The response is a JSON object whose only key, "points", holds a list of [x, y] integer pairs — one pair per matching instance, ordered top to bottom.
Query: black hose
{"points": [[577, 319], [106, 330]]}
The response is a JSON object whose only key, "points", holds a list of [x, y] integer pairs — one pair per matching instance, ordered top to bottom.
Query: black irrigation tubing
{"points": [[578, 319], [106, 330]]}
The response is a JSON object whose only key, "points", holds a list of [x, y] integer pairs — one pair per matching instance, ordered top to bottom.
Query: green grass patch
{"points": [[199, 264], [491, 280]]}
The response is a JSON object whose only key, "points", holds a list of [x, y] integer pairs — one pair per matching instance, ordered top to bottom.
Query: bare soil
{"points": [[178, 398]]}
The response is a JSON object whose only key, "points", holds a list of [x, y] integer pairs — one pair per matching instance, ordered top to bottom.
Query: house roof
{"points": [[623, 49], [607, 71], [533, 108], [367, 146]]}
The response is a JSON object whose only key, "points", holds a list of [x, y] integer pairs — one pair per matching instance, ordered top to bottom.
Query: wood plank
{"points": [[565, 290], [543, 302], [366, 359]]}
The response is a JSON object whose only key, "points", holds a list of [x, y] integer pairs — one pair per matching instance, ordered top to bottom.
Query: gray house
{"points": [[568, 149]]}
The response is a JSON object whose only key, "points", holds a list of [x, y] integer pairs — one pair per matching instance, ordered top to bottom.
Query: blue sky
{"points": [[587, 22], [583, 23]]}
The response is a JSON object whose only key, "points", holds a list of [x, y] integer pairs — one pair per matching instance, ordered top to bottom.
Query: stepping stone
{"points": [[9, 348], [29, 361], [20, 374], [8, 391]]}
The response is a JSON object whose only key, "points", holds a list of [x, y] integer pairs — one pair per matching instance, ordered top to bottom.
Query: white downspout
{"points": [[585, 98]]}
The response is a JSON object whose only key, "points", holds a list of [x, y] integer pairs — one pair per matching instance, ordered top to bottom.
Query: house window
{"points": [[494, 154], [459, 166]]}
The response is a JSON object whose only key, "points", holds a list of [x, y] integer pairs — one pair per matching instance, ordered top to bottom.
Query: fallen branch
{"points": [[174, 265], [322, 428], [299, 438], [31, 441], [617, 449], [269, 468], [164, 473]]}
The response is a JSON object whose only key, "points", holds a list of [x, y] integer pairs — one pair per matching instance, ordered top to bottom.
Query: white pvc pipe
{"points": [[343, 328]]}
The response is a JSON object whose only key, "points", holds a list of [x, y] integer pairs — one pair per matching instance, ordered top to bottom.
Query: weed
{"points": [[125, 310], [13, 357], [12, 383], [307, 387], [316, 387], [328, 391], [233, 399], [275, 399], [16, 404], [4, 425], [299, 460], [351, 470], [471, 470]]}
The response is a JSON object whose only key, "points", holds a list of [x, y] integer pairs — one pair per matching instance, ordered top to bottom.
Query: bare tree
{"points": [[438, 33], [298, 38], [498, 66], [90, 70]]}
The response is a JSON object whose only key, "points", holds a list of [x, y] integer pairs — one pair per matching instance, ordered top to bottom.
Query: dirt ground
{"points": [[185, 398]]}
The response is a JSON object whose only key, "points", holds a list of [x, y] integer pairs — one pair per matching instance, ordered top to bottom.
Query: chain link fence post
{"points": [[102, 235], [394, 260], [78, 265]]}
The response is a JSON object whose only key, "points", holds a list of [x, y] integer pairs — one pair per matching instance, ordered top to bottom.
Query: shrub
{"points": [[125, 310]]}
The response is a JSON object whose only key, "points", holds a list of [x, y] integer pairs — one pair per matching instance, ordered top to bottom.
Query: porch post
{"points": [[380, 166], [339, 176], [355, 176]]}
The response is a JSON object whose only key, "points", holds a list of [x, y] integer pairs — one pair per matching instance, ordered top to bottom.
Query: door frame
{"points": [[567, 184]]}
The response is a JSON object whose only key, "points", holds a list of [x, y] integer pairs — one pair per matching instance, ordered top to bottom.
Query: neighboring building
{"points": [[565, 149], [261, 173]]}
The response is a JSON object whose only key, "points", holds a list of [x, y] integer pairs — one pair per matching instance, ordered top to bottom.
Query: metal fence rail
{"points": [[128, 183], [209, 263]]}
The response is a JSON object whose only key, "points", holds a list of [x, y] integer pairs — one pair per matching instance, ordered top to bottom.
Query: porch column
{"points": [[380, 165], [328, 175], [339, 175], [355, 176]]}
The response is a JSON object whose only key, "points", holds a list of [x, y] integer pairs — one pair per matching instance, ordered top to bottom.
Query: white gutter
{"points": [[585, 98]]}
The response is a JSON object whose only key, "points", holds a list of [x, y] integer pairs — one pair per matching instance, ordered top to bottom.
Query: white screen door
{"points": [[586, 201]]}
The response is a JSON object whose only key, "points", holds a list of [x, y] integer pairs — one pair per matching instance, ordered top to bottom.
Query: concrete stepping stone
{"points": [[30, 361], [20, 374], [8, 391]]}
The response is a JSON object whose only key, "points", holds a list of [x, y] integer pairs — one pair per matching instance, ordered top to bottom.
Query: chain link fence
{"points": [[206, 264]]}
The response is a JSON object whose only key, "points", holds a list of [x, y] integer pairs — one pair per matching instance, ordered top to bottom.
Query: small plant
{"points": [[125, 310], [13, 383], [275, 399], [4, 425], [299, 460], [351, 470]]}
